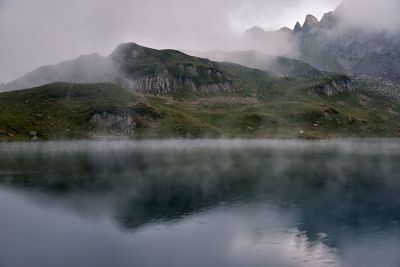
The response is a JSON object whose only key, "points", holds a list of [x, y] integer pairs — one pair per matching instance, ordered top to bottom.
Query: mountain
{"points": [[334, 45], [277, 66], [137, 68], [85, 69], [161, 71], [168, 71], [171, 72], [168, 94], [268, 108]]}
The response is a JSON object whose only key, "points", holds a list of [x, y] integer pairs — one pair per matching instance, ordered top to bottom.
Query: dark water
{"points": [[200, 203]]}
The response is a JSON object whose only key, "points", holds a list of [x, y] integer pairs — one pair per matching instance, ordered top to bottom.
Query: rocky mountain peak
{"points": [[311, 19], [329, 20], [310, 22], [297, 27], [285, 29], [255, 31], [128, 51]]}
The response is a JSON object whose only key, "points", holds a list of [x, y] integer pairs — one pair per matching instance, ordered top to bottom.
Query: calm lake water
{"points": [[200, 203]]}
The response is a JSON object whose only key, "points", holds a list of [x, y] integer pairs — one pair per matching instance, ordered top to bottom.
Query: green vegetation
{"points": [[138, 61], [267, 107], [58, 110]]}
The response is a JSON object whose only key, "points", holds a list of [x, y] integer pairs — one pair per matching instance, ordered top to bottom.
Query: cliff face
{"points": [[309, 23], [333, 45], [164, 83], [334, 86]]}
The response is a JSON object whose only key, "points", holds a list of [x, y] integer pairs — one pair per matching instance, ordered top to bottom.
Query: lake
{"points": [[185, 203]]}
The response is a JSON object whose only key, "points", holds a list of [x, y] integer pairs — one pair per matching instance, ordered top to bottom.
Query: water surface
{"points": [[200, 203]]}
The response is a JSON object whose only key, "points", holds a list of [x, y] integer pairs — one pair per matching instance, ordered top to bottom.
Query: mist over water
{"points": [[200, 203]]}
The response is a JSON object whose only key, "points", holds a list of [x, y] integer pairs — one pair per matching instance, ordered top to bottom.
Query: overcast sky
{"points": [[38, 32]]}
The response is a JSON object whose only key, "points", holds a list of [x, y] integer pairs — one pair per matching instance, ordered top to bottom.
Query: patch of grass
{"points": [[58, 110]]}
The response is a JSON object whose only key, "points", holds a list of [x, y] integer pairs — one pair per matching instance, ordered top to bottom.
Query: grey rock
{"points": [[310, 22], [297, 27], [335, 86], [114, 124], [358, 124], [33, 133]]}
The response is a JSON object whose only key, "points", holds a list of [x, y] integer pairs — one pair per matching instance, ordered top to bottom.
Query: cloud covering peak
{"points": [[376, 15]]}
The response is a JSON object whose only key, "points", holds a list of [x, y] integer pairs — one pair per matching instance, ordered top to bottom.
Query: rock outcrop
{"points": [[310, 22], [297, 27], [334, 45], [158, 83], [336, 85], [113, 124]]}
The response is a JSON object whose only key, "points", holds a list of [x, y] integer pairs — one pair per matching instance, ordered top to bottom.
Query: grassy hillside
{"points": [[277, 66], [278, 108]]}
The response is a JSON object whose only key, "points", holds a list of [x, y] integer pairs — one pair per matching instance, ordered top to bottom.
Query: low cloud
{"points": [[382, 15]]}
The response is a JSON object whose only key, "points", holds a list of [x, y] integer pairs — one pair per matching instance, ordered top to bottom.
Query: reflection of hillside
{"points": [[332, 193]]}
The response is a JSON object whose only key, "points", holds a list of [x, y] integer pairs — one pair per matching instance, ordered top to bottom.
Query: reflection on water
{"points": [[200, 203]]}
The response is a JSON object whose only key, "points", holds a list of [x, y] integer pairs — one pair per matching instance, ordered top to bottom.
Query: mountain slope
{"points": [[334, 45], [277, 66], [85, 69], [139, 69], [168, 94], [279, 108]]}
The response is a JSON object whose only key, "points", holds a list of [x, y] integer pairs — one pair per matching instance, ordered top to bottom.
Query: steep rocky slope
{"points": [[334, 45]]}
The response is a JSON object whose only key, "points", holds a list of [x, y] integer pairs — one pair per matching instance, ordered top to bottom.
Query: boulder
{"points": [[113, 124], [33, 133]]}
